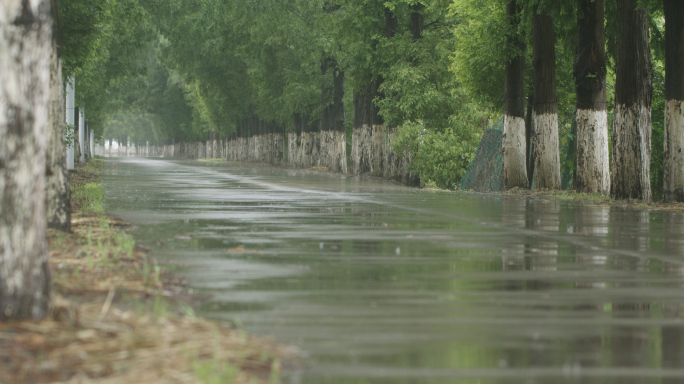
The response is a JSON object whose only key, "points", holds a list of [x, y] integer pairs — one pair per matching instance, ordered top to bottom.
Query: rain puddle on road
{"points": [[379, 283]]}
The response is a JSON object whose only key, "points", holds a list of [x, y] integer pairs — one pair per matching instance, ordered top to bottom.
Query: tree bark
{"points": [[416, 21], [25, 45], [633, 92], [71, 121], [368, 128], [77, 134], [81, 136], [333, 139], [514, 143], [529, 143], [547, 158], [593, 163], [57, 189], [673, 189]]}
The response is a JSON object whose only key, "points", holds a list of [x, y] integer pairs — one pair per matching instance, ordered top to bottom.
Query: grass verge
{"points": [[596, 198], [118, 317]]}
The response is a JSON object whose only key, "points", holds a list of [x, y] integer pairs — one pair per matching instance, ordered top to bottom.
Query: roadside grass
{"points": [[213, 160], [563, 195], [92, 196], [596, 199], [120, 317]]}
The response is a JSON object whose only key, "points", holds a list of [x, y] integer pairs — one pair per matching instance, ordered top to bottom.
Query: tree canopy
{"points": [[179, 69]]}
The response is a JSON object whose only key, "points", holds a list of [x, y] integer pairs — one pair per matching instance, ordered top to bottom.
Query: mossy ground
{"points": [[119, 317]]}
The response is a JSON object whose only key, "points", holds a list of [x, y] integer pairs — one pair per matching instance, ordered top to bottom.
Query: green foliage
{"points": [[103, 41], [480, 52], [160, 70], [417, 82], [658, 131], [439, 158], [93, 194], [215, 372]]}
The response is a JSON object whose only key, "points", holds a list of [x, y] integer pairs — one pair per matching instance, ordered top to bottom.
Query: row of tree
{"points": [[42, 43], [425, 72], [429, 73], [628, 174]]}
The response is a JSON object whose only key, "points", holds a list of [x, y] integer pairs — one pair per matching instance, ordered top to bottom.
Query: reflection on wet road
{"points": [[384, 284]]}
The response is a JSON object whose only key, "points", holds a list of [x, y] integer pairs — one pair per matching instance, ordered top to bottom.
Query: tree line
{"points": [[416, 81], [365, 82], [627, 173]]}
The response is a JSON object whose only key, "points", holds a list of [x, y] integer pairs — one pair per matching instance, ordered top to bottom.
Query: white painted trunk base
{"points": [[24, 123], [81, 136], [92, 143], [362, 150], [333, 151], [377, 151], [513, 153], [547, 159], [593, 162], [396, 164], [630, 167], [673, 168], [57, 188]]}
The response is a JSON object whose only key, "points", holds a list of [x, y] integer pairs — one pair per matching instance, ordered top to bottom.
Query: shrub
{"points": [[440, 158]]}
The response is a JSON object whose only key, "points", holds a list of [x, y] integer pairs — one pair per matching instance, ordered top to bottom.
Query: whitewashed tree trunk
{"points": [[25, 45], [70, 120], [81, 135], [292, 139], [514, 143], [335, 147], [91, 151], [674, 151], [632, 152], [215, 153], [377, 153], [514, 156], [547, 157], [547, 160], [355, 161], [593, 164], [630, 167], [593, 174], [673, 183], [57, 188]]}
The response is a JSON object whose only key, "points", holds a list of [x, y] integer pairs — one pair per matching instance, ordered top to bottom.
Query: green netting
{"points": [[485, 173]]}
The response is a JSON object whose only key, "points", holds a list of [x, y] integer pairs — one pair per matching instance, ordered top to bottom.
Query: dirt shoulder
{"points": [[120, 317]]}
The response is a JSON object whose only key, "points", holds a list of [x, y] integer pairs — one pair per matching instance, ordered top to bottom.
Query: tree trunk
{"points": [[416, 21], [25, 45], [633, 91], [364, 109], [71, 121], [81, 136], [333, 138], [514, 143], [529, 143], [91, 151], [367, 156], [547, 157], [593, 173], [57, 188], [673, 189]]}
